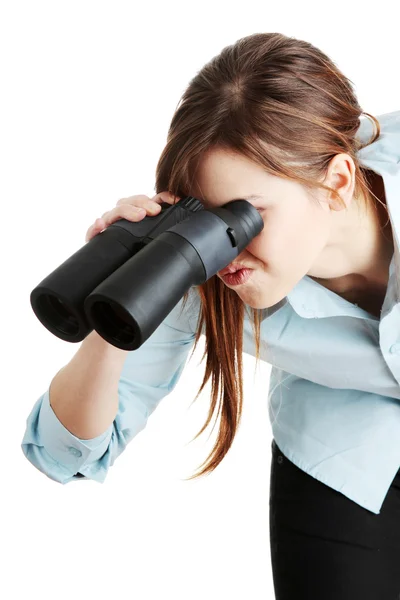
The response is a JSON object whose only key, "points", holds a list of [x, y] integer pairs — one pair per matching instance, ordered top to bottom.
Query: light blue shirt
{"points": [[334, 394]]}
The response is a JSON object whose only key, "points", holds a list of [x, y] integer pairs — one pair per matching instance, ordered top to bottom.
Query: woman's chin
{"points": [[255, 298]]}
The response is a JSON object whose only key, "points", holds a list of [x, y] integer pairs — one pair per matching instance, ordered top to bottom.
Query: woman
{"points": [[273, 120]]}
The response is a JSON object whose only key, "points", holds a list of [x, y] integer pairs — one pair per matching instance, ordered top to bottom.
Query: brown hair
{"points": [[285, 105]]}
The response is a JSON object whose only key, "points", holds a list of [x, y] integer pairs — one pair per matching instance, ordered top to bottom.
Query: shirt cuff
{"points": [[63, 446]]}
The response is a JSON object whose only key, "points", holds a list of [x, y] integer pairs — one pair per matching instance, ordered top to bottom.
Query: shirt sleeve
{"points": [[149, 374]]}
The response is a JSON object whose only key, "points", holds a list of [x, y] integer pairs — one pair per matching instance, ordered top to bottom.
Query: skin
{"points": [[347, 251]]}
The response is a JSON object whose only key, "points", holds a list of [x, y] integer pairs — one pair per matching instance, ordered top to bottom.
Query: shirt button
{"points": [[395, 349], [74, 451], [280, 459]]}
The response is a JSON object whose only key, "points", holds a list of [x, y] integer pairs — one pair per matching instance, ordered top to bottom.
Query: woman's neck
{"points": [[363, 247]]}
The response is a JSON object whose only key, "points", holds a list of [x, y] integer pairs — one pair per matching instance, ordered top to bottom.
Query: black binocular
{"points": [[128, 278]]}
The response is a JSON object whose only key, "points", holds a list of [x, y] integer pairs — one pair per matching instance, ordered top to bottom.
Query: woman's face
{"points": [[296, 228]]}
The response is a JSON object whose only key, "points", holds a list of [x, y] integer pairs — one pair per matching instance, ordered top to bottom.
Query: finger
{"points": [[167, 197], [140, 199], [151, 206], [125, 211], [94, 229]]}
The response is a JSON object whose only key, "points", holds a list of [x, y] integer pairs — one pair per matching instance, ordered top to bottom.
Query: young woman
{"points": [[273, 120]]}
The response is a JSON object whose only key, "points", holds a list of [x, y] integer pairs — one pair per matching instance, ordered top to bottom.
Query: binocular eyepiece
{"points": [[128, 278]]}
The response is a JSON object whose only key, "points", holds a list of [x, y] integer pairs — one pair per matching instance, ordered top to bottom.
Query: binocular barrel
{"points": [[129, 277]]}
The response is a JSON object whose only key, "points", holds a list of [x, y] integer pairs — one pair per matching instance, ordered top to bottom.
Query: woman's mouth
{"points": [[239, 277]]}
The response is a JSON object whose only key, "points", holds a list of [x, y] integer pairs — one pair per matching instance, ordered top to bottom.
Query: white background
{"points": [[88, 89]]}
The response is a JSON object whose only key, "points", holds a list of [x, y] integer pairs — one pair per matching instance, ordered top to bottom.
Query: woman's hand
{"points": [[133, 208]]}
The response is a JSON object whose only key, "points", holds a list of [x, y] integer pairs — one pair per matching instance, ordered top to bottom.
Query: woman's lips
{"points": [[232, 269], [238, 278]]}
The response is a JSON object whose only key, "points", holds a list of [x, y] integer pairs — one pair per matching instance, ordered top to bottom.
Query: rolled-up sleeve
{"points": [[149, 374]]}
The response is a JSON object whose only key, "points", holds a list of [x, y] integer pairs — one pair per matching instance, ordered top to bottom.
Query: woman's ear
{"points": [[341, 177]]}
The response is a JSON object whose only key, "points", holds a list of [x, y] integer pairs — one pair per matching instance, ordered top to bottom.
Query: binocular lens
{"points": [[54, 311], [112, 322]]}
